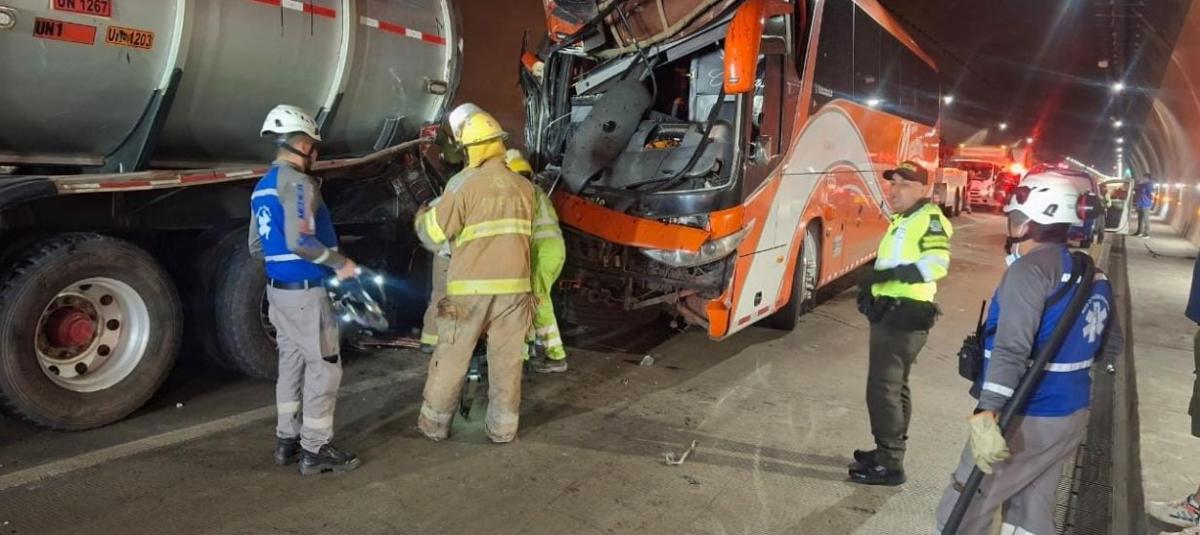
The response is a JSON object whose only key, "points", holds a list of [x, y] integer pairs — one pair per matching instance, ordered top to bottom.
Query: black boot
{"points": [[287, 451], [863, 458], [329, 459], [875, 474]]}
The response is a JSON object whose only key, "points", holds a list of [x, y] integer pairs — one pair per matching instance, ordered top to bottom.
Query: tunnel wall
{"points": [[492, 33], [1170, 138]]}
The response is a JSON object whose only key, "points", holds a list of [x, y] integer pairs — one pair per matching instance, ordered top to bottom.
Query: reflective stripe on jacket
{"points": [[487, 218], [292, 226], [920, 237], [549, 250], [1067, 384]]}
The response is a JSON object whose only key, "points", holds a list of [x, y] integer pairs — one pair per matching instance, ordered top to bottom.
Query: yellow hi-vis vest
{"points": [[921, 237]]}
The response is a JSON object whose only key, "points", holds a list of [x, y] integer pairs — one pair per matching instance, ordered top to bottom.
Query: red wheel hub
{"points": [[70, 327]]}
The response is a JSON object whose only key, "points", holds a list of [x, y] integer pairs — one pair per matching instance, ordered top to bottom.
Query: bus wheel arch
{"points": [[806, 277]]}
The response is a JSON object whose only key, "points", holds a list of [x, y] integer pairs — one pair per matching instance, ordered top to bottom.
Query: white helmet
{"points": [[458, 117], [285, 119], [1047, 197]]}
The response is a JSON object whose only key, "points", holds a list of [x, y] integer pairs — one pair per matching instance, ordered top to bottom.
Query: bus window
{"points": [[833, 77]]}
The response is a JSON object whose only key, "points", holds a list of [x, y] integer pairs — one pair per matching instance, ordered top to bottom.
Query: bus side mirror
{"points": [[743, 40]]}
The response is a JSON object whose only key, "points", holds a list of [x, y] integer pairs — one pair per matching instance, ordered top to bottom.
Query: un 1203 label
{"points": [[130, 37]]}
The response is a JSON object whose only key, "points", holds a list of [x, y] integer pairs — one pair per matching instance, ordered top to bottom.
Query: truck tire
{"points": [[214, 247], [804, 283], [89, 328], [242, 333]]}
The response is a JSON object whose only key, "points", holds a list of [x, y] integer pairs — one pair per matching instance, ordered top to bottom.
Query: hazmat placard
{"points": [[98, 8], [58, 30], [130, 37]]}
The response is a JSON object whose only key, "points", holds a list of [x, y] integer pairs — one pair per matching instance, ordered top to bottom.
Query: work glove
{"points": [[907, 273], [987, 444]]}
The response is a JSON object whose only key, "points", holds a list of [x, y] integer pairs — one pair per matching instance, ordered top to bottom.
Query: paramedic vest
{"points": [[267, 215], [921, 238], [1067, 384]]}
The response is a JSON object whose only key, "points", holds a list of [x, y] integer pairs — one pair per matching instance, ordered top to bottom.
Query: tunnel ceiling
{"points": [[1046, 68]]}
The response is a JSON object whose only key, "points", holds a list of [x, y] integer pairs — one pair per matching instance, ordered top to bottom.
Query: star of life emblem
{"points": [[263, 217]]}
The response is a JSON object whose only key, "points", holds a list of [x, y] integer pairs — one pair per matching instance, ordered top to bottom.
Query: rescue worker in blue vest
{"points": [[292, 231], [897, 299], [1032, 299]]}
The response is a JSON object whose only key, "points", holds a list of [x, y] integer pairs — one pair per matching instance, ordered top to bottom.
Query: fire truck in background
{"points": [[722, 158], [992, 172], [107, 266]]}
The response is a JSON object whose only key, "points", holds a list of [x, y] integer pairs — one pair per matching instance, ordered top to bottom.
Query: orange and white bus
{"points": [[723, 159]]}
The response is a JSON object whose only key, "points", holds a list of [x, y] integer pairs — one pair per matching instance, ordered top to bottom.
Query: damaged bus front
{"points": [[672, 133]]}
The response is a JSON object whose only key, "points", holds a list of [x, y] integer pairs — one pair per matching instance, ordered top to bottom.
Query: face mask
{"points": [[1012, 247]]}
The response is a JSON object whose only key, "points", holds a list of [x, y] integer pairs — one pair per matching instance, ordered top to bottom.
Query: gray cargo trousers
{"points": [[310, 368], [1024, 485]]}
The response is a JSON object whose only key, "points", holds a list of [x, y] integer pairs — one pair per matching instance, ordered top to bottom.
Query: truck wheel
{"points": [[215, 247], [804, 283], [89, 328], [243, 333]]}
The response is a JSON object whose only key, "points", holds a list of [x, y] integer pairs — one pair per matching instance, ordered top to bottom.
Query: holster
{"points": [[908, 314], [970, 358]]}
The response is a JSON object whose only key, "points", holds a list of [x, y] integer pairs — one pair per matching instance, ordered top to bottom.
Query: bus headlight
{"points": [[711, 251]]}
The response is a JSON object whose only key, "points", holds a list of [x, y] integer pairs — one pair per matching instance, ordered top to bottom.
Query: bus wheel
{"points": [[804, 282], [90, 327], [243, 334]]}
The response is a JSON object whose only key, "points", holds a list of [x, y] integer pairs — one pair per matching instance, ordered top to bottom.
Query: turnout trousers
{"points": [[461, 320], [429, 332], [310, 367], [889, 400], [1025, 485]]}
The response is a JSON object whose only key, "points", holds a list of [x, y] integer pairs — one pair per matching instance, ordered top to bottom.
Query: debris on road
{"points": [[647, 361], [671, 460]]}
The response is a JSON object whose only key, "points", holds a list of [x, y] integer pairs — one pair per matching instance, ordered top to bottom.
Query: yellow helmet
{"points": [[480, 127], [517, 163]]}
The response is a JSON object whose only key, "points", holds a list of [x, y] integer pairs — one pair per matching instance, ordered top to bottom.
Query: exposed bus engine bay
{"points": [[629, 112]]}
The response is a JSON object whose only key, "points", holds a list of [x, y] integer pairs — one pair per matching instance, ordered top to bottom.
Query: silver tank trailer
{"points": [[81, 81]]}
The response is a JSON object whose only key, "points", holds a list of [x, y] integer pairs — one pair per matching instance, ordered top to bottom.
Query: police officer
{"points": [[292, 231], [897, 298], [1032, 299]]}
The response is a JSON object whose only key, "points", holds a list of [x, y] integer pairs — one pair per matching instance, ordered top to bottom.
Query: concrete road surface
{"points": [[775, 416]]}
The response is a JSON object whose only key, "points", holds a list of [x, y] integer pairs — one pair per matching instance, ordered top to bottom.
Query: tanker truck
{"points": [[128, 151]]}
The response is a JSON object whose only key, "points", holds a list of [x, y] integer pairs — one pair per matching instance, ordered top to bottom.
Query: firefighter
{"points": [[487, 218], [292, 231], [549, 254], [1033, 297], [897, 299]]}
